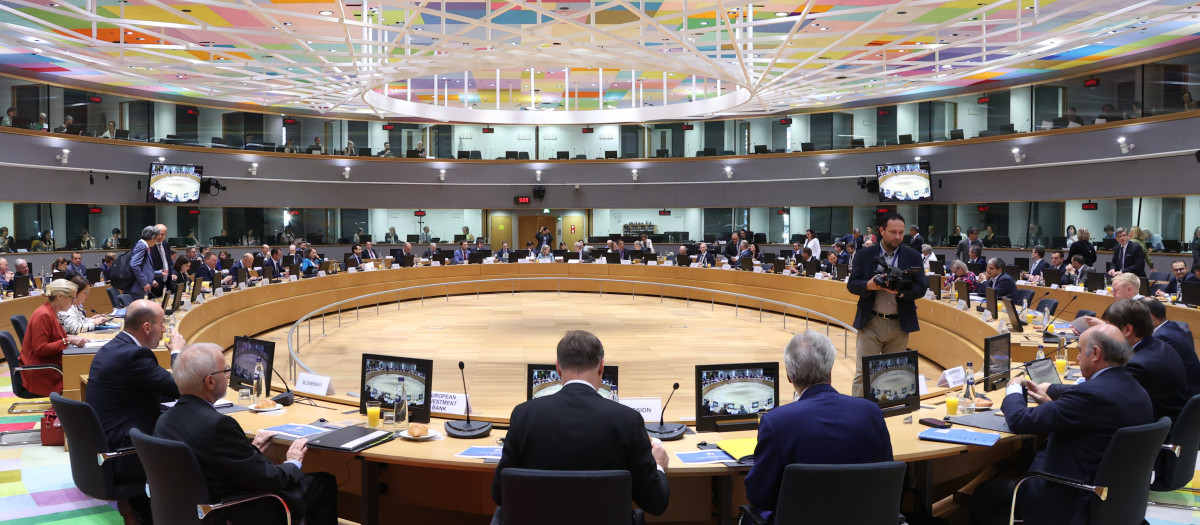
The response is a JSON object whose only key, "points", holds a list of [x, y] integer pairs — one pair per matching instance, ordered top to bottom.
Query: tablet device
{"points": [[1042, 371]]}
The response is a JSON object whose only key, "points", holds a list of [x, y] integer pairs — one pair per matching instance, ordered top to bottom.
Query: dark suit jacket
{"points": [[916, 242], [1085, 249], [731, 250], [963, 253], [428, 254], [843, 257], [706, 258], [981, 260], [1134, 261], [142, 265], [277, 265], [827, 267], [1036, 267], [865, 269], [73, 270], [207, 274], [1004, 284], [1174, 285], [1179, 338], [1159, 369], [125, 385], [1080, 424], [822, 427], [576, 429], [230, 463]]}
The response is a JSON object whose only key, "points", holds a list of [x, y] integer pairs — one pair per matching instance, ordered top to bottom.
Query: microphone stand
{"points": [[286, 398], [467, 429], [663, 430]]}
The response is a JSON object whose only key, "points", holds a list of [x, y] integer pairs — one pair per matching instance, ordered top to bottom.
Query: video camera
{"points": [[895, 279]]}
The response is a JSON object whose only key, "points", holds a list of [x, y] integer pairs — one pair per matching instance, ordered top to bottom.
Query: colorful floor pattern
{"points": [[36, 486]]}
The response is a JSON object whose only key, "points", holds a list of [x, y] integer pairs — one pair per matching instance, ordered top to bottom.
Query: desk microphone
{"points": [[1035, 302], [287, 398], [467, 429], [663, 430]]}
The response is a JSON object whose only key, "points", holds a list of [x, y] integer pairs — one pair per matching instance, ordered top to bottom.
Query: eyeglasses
{"points": [[225, 371]]}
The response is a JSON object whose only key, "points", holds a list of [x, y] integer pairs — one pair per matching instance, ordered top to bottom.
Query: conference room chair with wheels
{"points": [[125, 299], [1052, 304], [1083, 313], [19, 324], [9, 346], [1177, 460], [90, 466], [1121, 486], [178, 493], [834, 494], [543, 497]]}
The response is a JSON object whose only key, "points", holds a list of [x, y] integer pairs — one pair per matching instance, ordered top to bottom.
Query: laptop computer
{"points": [[976, 268], [1051, 276], [997, 352]]}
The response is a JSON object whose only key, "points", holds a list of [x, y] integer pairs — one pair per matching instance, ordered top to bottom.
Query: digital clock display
{"points": [[521, 200]]}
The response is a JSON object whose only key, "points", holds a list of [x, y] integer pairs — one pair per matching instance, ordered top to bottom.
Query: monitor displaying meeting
{"points": [[904, 182], [174, 184], [246, 353], [381, 378], [891, 379], [543, 380], [736, 389]]}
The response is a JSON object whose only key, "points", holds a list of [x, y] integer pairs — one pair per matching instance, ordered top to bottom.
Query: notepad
{"points": [[296, 431], [960, 436], [741, 449], [480, 452], [704, 456]]}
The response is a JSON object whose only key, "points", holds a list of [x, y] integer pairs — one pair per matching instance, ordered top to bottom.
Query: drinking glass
{"points": [[244, 397], [373, 414], [389, 421]]}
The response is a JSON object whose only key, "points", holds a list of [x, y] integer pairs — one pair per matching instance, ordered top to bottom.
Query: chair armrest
{"points": [[38, 367], [1174, 449], [105, 456], [1101, 492], [204, 510], [748, 511], [639, 517]]}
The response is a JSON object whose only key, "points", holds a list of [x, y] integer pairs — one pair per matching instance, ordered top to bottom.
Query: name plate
{"points": [[489, 260], [573, 261], [626, 261], [435, 263], [651, 263], [695, 265], [758, 269], [353, 270], [320, 273], [292, 278], [242, 285], [1073, 288], [952, 378], [314, 384], [449, 403], [649, 407]]}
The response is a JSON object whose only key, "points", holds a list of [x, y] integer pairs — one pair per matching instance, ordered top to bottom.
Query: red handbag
{"points": [[52, 431]]}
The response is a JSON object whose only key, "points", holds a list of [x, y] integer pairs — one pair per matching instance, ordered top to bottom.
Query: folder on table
{"points": [[960, 436], [352, 439], [740, 449]]}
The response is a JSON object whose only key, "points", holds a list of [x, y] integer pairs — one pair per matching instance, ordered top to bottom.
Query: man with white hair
{"points": [[142, 264], [1126, 286], [823, 426], [232, 465]]}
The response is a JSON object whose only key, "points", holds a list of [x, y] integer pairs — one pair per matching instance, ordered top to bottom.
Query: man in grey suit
{"points": [[963, 253], [142, 265], [1077, 271]]}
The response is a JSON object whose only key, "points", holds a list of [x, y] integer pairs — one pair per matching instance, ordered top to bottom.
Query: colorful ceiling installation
{"points": [[592, 56]]}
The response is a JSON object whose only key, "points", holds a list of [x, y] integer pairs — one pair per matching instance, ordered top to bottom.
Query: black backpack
{"points": [[120, 274]]}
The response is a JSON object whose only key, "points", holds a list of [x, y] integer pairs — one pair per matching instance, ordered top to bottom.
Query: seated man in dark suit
{"points": [[479, 245], [433, 249], [621, 249], [503, 252], [585, 253], [744, 255], [1127, 256], [704, 257], [843, 257], [976, 257], [355, 260], [1036, 262], [246, 263], [829, 265], [76, 267], [208, 270], [1077, 271], [1179, 275], [996, 278], [1179, 338], [125, 385], [1080, 424], [824, 426], [550, 432], [233, 465]]}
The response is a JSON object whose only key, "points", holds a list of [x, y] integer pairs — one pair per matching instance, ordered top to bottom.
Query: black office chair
{"points": [[808, 146], [476, 154], [523, 155], [1160, 276], [1022, 296], [114, 297], [125, 299], [1052, 304], [1083, 313], [19, 324], [9, 347], [1177, 461], [90, 466], [1122, 481], [833, 494], [180, 495], [543, 497]]}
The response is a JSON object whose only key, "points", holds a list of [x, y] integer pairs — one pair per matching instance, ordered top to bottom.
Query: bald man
{"points": [[125, 385], [233, 465]]}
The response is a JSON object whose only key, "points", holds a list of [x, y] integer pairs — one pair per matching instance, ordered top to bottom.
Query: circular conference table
{"points": [[428, 481]]}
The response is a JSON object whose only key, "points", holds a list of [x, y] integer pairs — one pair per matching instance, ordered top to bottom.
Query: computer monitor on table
{"points": [[937, 267], [1051, 276], [1095, 281], [963, 288], [989, 301], [1014, 317], [246, 353], [997, 360], [543, 380], [380, 381], [890, 381], [730, 396]]}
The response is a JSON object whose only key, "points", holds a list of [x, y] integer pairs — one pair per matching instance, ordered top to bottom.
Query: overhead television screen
{"points": [[903, 182], [174, 184]]}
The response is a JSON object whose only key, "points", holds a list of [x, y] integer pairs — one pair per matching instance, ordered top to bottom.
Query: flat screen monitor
{"points": [[903, 182], [174, 184], [612, 258], [812, 267], [937, 267], [94, 275], [1051, 276], [1095, 281], [934, 283], [20, 285], [196, 287], [963, 288], [1190, 294], [989, 296], [1014, 318], [246, 352], [997, 357], [1043, 371], [381, 377], [543, 380], [890, 381], [731, 394]]}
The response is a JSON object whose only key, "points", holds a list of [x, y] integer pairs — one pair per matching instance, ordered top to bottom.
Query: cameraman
{"points": [[885, 316]]}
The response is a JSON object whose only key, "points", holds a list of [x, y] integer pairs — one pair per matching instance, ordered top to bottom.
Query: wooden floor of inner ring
{"points": [[654, 344]]}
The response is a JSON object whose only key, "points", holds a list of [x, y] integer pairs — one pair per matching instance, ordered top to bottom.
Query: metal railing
{"points": [[294, 343]]}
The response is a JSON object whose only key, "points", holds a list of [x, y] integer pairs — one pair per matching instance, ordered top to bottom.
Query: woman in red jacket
{"points": [[45, 340]]}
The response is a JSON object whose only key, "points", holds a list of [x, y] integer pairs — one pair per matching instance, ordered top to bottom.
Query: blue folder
{"points": [[960, 436]]}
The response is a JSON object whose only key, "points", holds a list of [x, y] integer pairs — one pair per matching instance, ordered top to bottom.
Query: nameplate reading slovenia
{"points": [[314, 384]]}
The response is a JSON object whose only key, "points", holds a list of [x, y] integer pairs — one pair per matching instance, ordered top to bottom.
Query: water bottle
{"points": [[1024, 305], [1046, 319], [1041, 353], [260, 383], [966, 401], [401, 405]]}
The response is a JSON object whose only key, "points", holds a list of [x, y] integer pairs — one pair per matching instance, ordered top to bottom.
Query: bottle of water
{"points": [[45, 278], [1024, 305], [1046, 319], [1041, 353], [259, 391], [966, 399], [401, 405]]}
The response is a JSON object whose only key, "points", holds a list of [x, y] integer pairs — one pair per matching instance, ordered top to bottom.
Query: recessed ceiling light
{"points": [[52, 4], [325, 13], [781, 13], [287, 23], [703, 23], [274, 27], [824, 29], [140, 38]]}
